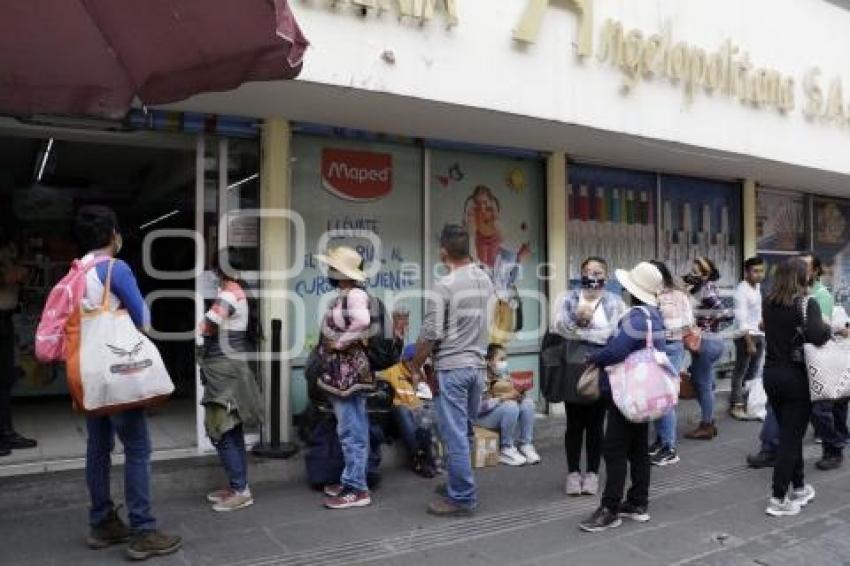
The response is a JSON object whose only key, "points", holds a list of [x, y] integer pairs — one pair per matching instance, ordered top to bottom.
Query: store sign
{"points": [[419, 10], [728, 70], [357, 175]]}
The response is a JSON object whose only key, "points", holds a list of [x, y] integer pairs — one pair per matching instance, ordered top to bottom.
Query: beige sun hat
{"points": [[344, 263], [644, 282]]}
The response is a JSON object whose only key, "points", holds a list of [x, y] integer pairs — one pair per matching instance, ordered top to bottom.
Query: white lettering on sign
{"points": [[420, 10], [343, 171]]}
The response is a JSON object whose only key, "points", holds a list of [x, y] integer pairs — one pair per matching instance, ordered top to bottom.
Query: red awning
{"points": [[92, 57]]}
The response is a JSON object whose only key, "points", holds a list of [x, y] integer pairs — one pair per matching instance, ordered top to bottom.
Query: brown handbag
{"points": [[588, 384], [686, 387]]}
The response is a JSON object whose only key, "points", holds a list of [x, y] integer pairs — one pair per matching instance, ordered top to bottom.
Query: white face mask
{"points": [[501, 368]]}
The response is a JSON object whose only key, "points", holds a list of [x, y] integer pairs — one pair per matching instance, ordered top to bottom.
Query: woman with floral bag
{"points": [[346, 376], [627, 443]]}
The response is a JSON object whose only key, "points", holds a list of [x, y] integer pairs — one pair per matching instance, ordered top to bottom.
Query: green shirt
{"points": [[825, 301]]}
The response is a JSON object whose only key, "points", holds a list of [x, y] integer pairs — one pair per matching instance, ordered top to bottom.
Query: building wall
{"points": [[477, 63]]}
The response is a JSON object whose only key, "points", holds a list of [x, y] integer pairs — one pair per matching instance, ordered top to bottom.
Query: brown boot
{"points": [[705, 431], [111, 530], [153, 543]]}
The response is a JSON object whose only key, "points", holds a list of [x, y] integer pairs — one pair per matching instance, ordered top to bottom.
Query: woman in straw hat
{"points": [[347, 376], [626, 443]]}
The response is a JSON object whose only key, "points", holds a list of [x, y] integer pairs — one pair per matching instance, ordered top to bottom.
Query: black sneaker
{"points": [[17, 442], [656, 447], [664, 457], [761, 460], [829, 462], [634, 512], [601, 520]]}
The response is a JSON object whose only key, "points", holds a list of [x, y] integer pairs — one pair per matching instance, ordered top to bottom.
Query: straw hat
{"points": [[344, 263], [644, 282]]}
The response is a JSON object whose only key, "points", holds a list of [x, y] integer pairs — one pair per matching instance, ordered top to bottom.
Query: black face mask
{"points": [[693, 281], [593, 283]]}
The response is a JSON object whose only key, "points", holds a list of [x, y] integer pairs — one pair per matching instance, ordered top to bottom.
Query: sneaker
{"points": [[739, 412], [17, 442], [656, 447], [5, 449], [530, 454], [511, 457], [665, 457], [763, 459], [830, 462], [573, 484], [590, 484], [333, 490], [218, 495], [802, 496], [348, 499], [235, 500], [782, 507], [447, 508], [634, 512], [601, 520], [111, 530], [153, 543]]}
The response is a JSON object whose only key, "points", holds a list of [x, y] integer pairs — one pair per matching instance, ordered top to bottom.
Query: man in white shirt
{"points": [[749, 337]]}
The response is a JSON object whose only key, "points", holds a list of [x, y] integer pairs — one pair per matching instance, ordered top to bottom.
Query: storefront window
{"points": [[368, 196], [500, 201], [610, 214], [781, 228], [831, 237]]}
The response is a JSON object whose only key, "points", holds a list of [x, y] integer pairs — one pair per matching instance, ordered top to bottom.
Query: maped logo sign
{"points": [[357, 175]]}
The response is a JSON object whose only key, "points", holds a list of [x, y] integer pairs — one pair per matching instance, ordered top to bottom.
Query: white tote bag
{"points": [[112, 366], [829, 370]]}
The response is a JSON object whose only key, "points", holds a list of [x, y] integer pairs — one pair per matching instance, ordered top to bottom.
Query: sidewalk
{"points": [[709, 509]]}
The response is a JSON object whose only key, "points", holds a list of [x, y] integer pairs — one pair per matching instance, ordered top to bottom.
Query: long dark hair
{"points": [[669, 282], [790, 283]]}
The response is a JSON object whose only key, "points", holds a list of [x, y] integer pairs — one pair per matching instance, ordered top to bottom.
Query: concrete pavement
{"points": [[706, 510]]}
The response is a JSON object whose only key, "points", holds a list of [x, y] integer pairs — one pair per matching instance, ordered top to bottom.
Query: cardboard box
{"points": [[485, 448]]}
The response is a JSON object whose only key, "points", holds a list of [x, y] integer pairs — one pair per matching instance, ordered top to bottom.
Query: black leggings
{"points": [[788, 393], [585, 424]]}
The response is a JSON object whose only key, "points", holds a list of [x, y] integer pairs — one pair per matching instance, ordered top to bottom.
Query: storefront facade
{"points": [[657, 124], [675, 128]]}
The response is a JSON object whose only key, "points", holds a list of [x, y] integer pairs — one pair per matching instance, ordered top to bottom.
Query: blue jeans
{"points": [[702, 374], [457, 405], [506, 416], [830, 421], [407, 422], [665, 427], [352, 428], [132, 429], [769, 434], [231, 452]]}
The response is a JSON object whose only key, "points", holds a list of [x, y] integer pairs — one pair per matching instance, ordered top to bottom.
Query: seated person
{"points": [[503, 408], [410, 414]]}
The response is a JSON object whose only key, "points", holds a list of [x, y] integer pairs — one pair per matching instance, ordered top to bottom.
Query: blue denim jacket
{"points": [[630, 337]]}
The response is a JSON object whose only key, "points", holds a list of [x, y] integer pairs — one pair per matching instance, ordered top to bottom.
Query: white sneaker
{"points": [[530, 453], [511, 457], [573, 484], [590, 484], [802, 496], [235, 500], [782, 507]]}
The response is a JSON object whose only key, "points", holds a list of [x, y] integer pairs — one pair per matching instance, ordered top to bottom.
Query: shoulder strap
{"points": [[107, 285], [345, 316], [649, 338]]}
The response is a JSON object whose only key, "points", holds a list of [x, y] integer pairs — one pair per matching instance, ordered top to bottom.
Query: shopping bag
{"points": [[111, 366], [829, 370], [644, 387], [756, 399]]}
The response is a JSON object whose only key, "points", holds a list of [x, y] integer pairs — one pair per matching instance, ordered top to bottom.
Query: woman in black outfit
{"points": [[786, 382]]}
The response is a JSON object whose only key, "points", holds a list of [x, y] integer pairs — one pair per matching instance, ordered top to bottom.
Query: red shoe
{"points": [[333, 490], [348, 499]]}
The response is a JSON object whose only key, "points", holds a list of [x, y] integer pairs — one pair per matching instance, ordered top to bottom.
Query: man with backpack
{"points": [[96, 229], [11, 277], [455, 331]]}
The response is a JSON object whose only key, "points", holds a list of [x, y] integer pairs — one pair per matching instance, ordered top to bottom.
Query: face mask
{"points": [[119, 243], [692, 280], [593, 283], [501, 368]]}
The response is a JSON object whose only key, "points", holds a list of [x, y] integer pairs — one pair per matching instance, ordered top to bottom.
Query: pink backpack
{"points": [[62, 302]]}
